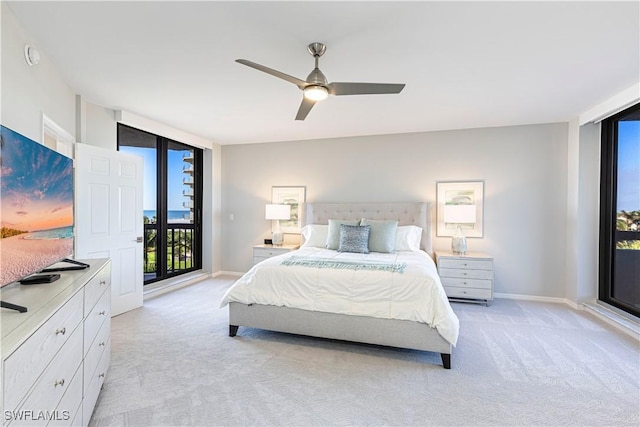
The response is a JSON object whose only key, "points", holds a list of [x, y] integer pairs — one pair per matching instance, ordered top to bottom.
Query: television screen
{"points": [[36, 206]]}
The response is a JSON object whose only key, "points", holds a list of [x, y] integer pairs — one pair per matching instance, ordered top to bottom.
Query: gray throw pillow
{"points": [[333, 235], [383, 235], [354, 238]]}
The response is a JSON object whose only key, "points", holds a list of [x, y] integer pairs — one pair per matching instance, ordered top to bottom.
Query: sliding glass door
{"points": [[172, 203], [620, 211]]}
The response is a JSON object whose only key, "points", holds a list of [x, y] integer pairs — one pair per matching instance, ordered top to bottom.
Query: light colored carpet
{"points": [[516, 363]]}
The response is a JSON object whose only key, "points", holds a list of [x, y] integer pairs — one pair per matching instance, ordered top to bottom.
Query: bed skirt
{"points": [[370, 330]]}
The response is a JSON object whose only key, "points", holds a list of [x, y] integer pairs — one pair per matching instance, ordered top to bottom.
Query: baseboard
{"points": [[227, 273], [169, 285], [555, 300], [612, 318], [621, 323]]}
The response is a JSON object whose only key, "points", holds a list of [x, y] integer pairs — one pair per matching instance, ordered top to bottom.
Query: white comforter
{"points": [[415, 294]]}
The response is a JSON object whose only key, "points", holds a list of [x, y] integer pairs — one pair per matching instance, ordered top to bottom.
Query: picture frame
{"points": [[460, 193], [294, 196]]}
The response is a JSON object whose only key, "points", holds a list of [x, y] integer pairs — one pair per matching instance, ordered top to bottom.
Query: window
{"points": [[172, 203], [620, 211]]}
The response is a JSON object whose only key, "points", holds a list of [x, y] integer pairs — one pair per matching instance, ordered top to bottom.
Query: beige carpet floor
{"points": [[516, 363]]}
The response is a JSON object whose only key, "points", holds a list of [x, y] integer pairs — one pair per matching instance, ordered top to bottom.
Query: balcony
{"points": [[180, 250], [626, 267]]}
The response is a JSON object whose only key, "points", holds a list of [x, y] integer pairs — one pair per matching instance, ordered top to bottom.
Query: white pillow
{"points": [[314, 235], [408, 238]]}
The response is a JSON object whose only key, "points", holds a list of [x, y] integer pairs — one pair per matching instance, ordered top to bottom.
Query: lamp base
{"points": [[277, 238], [459, 245]]}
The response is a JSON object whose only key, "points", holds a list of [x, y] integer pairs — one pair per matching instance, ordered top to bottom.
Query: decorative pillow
{"points": [[314, 235], [333, 235], [383, 235], [354, 238], [408, 238]]}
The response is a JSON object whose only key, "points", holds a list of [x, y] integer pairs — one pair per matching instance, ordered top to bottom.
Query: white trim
{"points": [[612, 105], [143, 123], [65, 142], [227, 273], [174, 283], [554, 300], [614, 319]]}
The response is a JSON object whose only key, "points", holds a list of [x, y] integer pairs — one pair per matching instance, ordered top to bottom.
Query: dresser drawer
{"points": [[466, 264], [466, 274], [467, 283], [95, 288], [475, 293], [94, 320], [96, 350], [25, 364], [56, 381], [95, 382], [70, 404]]}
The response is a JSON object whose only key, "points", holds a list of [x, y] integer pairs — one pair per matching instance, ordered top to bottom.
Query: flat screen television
{"points": [[36, 207]]}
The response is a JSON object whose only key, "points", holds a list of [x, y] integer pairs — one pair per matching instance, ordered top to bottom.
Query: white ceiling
{"points": [[465, 64]]}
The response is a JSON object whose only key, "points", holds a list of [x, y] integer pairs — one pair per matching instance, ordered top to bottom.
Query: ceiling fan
{"points": [[316, 87]]}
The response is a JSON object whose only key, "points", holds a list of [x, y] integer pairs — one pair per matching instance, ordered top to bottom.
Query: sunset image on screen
{"points": [[36, 206]]}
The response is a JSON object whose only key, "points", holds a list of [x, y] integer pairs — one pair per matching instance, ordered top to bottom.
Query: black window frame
{"points": [[608, 209], [162, 226]]}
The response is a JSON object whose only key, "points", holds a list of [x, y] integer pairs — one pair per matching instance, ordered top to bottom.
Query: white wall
{"points": [[28, 92], [524, 169]]}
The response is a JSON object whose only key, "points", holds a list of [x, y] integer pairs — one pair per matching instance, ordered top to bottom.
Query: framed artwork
{"points": [[294, 196], [461, 202]]}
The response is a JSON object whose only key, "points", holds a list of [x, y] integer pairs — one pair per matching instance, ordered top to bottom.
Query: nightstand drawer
{"points": [[268, 252], [466, 264], [466, 274], [466, 283], [475, 293]]}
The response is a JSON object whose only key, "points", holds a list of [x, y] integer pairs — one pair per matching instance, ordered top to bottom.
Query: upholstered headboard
{"points": [[407, 213]]}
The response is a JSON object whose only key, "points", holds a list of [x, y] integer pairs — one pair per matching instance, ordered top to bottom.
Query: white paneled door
{"points": [[109, 219]]}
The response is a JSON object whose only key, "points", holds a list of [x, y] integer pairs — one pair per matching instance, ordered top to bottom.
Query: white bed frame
{"points": [[387, 332]]}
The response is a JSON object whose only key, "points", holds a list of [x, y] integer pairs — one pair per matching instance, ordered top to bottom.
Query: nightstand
{"points": [[262, 252], [466, 277]]}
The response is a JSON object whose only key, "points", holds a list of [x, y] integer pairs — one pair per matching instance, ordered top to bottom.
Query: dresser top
{"points": [[41, 300]]}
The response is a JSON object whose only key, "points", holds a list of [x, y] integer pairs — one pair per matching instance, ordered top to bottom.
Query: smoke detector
{"points": [[31, 55]]}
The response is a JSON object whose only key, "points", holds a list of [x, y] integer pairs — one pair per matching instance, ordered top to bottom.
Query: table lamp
{"points": [[275, 213], [459, 214]]}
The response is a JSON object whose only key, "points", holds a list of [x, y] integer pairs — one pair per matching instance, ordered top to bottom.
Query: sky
{"points": [[629, 166], [36, 184], [175, 185]]}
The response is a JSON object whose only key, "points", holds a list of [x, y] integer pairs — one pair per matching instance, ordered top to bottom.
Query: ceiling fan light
{"points": [[316, 92]]}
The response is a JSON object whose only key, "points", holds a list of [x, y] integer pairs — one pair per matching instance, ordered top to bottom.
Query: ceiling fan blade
{"points": [[300, 83], [344, 88], [304, 109]]}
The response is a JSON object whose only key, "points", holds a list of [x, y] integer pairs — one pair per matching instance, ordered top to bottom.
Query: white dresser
{"points": [[262, 252], [468, 277], [55, 356]]}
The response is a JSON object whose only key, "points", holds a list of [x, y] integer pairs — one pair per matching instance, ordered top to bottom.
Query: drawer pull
{"points": [[465, 264], [464, 274], [103, 282], [464, 292], [102, 313], [61, 331], [101, 344], [101, 375], [59, 383]]}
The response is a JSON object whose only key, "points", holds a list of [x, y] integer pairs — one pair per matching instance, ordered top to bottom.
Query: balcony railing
{"points": [[180, 249]]}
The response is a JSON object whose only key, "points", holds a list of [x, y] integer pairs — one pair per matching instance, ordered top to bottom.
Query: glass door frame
{"points": [[609, 235]]}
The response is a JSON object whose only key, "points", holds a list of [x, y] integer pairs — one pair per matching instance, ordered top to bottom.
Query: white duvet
{"points": [[415, 294]]}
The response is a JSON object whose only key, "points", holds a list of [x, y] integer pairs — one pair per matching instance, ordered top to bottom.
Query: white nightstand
{"points": [[262, 252], [466, 277]]}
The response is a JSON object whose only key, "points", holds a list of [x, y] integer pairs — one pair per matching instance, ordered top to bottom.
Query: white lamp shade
{"points": [[276, 212], [460, 214]]}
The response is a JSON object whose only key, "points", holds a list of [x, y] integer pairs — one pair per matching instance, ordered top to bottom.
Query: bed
{"points": [[404, 304]]}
